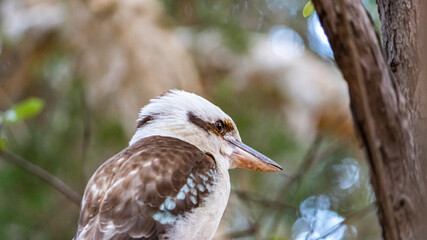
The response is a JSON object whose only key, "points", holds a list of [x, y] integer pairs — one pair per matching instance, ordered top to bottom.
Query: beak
{"points": [[244, 156]]}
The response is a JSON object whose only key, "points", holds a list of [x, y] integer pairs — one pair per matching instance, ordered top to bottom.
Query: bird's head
{"points": [[193, 119]]}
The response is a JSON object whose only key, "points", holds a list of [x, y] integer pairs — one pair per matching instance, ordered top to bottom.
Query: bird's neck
{"points": [[148, 132], [199, 140]]}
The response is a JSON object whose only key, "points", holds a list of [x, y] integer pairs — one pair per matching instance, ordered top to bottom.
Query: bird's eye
{"points": [[219, 127]]}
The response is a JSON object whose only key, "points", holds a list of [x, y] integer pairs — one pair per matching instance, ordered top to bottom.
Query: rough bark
{"points": [[400, 41], [421, 96], [382, 100]]}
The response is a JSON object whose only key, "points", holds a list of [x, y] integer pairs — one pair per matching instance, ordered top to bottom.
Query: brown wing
{"points": [[144, 189]]}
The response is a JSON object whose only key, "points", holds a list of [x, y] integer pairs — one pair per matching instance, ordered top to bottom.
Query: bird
{"points": [[172, 181]]}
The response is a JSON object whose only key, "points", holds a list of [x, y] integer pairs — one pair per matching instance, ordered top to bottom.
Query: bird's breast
{"points": [[202, 222]]}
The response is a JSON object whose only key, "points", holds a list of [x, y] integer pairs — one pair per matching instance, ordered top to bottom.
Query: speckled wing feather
{"points": [[140, 192]]}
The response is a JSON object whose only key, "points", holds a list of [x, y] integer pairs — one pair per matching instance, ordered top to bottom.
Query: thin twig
{"points": [[311, 156], [309, 159], [55, 182], [249, 197], [256, 198], [250, 217], [313, 223], [253, 226], [251, 230], [239, 234]]}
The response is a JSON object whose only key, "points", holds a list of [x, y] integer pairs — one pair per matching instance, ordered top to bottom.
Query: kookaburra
{"points": [[172, 181]]}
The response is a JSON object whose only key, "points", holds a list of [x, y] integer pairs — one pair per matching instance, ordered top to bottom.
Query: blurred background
{"points": [[74, 74]]}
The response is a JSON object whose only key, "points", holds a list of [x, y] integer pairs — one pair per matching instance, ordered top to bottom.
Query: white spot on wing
{"points": [[147, 164], [210, 173], [204, 177], [190, 182], [200, 187], [208, 187], [185, 188], [181, 195], [193, 200], [170, 204], [164, 217]]}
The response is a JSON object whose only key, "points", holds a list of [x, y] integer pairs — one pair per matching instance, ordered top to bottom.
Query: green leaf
{"points": [[308, 9], [23, 110]]}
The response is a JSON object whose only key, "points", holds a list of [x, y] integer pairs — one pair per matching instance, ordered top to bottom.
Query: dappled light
{"points": [[317, 38], [286, 42], [347, 173], [317, 221]]}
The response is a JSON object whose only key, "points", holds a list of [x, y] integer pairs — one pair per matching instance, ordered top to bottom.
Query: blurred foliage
{"points": [[206, 14], [255, 110], [70, 138], [53, 141]]}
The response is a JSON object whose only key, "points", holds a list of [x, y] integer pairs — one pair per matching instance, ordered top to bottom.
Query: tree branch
{"points": [[399, 23], [381, 113], [370, 126], [310, 157], [42, 174], [256, 198]]}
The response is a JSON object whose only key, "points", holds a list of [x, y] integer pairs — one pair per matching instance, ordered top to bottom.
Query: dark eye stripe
{"points": [[143, 121], [199, 122], [227, 124]]}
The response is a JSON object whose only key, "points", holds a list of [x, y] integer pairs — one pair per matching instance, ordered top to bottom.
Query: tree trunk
{"points": [[383, 105]]}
